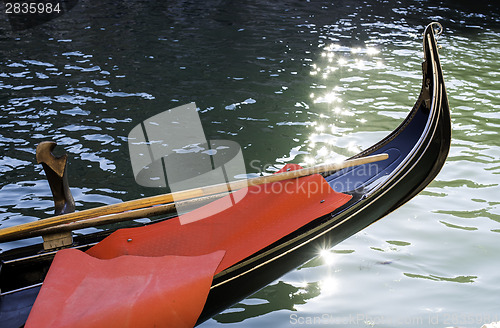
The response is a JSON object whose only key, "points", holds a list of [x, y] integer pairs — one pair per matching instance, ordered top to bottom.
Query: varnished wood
{"points": [[27, 229]]}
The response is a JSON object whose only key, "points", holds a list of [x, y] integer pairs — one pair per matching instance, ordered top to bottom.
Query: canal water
{"points": [[292, 82]]}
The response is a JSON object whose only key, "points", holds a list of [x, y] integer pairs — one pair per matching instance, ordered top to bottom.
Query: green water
{"points": [[299, 82]]}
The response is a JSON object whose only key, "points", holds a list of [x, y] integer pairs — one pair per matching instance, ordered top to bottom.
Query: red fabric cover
{"points": [[263, 215], [160, 275], [81, 291]]}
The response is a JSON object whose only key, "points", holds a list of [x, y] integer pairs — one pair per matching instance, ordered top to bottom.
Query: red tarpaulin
{"points": [[265, 214], [138, 277], [81, 291]]}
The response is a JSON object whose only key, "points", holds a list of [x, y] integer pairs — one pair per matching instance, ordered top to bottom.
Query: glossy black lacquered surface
{"points": [[417, 150]]}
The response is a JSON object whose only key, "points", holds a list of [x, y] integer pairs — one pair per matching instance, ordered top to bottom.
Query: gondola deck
{"points": [[417, 150]]}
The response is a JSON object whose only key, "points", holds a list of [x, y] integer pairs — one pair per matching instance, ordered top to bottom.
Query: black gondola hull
{"points": [[417, 149]]}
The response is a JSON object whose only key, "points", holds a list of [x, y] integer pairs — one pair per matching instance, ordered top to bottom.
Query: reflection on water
{"points": [[338, 70], [294, 81], [459, 279], [279, 296], [286, 296]]}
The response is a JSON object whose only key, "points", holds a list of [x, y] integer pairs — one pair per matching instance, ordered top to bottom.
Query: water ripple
{"points": [[303, 82]]}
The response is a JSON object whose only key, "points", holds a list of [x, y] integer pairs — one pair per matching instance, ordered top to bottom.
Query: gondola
{"points": [[417, 150]]}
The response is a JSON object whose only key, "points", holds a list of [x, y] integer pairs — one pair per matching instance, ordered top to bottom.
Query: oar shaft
{"points": [[126, 216], [23, 230]]}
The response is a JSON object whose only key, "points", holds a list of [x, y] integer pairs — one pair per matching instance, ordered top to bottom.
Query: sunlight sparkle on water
{"points": [[332, 47], [356, 50], [372, 51], [359, 64], [329, 71], [328, 98], [320, 128], [332, 140], [353, 147], [323, 152], [309, 160], [327, 256], [303, 284], [329, 285]]}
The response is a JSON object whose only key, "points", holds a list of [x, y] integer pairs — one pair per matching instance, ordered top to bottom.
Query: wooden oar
{"points": [[127, 216], [27, 229]]}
